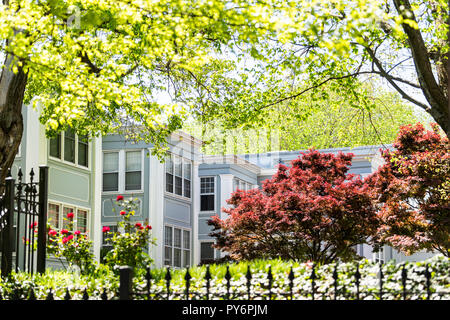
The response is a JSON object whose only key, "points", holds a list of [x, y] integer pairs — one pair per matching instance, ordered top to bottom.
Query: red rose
{"points": [[119, 198], [122, 213], [70, 215], [138, 225], [148, 227], [106, 229], [64, 231], [77, 232], [52, 233], [65, 240]]}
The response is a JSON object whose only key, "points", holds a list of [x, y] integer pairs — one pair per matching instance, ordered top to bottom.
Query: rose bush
{"points": [[132, 240], [72, 245]]}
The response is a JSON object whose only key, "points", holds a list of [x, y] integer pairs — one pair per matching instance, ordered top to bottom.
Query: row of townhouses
{"points": [[177, 197]]}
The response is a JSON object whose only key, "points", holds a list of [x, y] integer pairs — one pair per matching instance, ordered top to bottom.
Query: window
{"points": [[55, 146], [69, 147], [83, 147], [178, 164], [133, 170], [111, 171], [122, 171], [187, 172], [169, 174], [178, 175], [239, 184], [207, 194], [53, 215], [57, 217], [65, 220], [82, 221], [107, 235], [177, 247], [206, 252], [379, 256]]}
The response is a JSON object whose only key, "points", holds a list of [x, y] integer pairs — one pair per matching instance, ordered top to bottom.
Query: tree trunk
{"points": [[12, 89], [436, 92]]}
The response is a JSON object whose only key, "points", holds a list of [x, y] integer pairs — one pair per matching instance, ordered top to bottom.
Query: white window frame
{"points": [[61, 159], [183, 162], [122, 171], [213, 193], [75, 208], [172, 246], [379, 256]]}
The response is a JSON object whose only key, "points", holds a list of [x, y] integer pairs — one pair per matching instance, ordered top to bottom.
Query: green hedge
{"points": [[19, 285], [369, 287]]}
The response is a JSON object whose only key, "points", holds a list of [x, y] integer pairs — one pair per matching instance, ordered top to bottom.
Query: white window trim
{"points": [[74, 164], [122, 171], [173, 194], [200, 194], [75, 211], [172, 246]]}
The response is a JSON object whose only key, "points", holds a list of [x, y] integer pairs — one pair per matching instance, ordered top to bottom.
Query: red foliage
{"points": [[412, 190], [315, 210]]}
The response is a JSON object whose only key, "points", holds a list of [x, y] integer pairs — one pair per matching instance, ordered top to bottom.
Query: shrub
{"points": [[130, 243], [72, 245]]}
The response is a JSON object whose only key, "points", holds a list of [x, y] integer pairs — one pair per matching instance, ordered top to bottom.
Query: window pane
{"points": [[69, 146], [55, 147], [83, 151], [111, 162], [133, 162], [169, 164], [178, 166], [187, 170], [133, 180], [110, 182], [169, 182], [178, 185], [207, 185], [187, 188], [207, 202], [53, 215], [82, 219], [66, 221], [107, 235], [168, 236], [177, 238], [186, 239], [206, 251], [167, 256], [177, 257], [186, 258]]}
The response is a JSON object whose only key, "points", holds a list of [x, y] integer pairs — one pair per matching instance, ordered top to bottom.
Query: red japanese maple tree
{"points": [[412, 190], [314, 210]]}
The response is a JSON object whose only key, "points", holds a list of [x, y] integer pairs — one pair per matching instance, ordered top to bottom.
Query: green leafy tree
{"points": [[338, 43], [102, 66], [327, 121]]}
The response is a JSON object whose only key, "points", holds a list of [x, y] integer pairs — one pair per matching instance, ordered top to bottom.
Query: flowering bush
{"points": [[131, 241], [75, 247]]}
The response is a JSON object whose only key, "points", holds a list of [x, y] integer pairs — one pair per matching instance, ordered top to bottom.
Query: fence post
{"points": [[42, 224], [7, 232], [126, 279]]}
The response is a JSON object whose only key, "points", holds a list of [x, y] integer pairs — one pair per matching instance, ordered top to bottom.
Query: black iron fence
{"points": [[23, 223], [402, 284], [408, 286]]}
